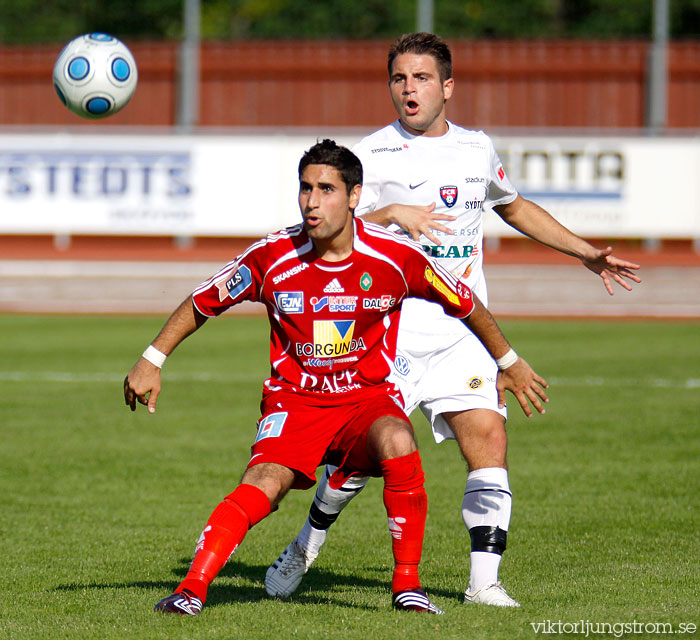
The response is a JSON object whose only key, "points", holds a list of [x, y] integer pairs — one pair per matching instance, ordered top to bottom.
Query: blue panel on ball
{"points": [[101, 37], [78, 68], [121, 69], [60, 94], [98, 106]]}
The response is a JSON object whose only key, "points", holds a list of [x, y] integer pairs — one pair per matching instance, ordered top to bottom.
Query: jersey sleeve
{"points": [[500, 189], [428, 280], [238, 281]]}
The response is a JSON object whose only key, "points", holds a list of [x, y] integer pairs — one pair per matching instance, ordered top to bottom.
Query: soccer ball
{"points": [[95, 75]]}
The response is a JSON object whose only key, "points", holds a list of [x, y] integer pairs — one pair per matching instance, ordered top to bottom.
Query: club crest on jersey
{"points": [[449, 195], [366, 281], [233, 283], [440, 286], [289, 301], [332, 338]]}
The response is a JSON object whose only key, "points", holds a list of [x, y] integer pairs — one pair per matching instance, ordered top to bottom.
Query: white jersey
{"points": [[461, 172]]}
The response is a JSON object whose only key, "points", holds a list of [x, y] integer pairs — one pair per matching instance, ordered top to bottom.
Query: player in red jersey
{"points": [[419, 159], [333, 287]]}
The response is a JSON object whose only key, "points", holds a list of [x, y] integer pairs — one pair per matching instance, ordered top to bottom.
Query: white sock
{"points": [[487, 503], [325, 509], [311, 539], [484, 569]]}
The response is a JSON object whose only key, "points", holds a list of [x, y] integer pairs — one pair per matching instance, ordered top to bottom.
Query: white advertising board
{"points": [[246, 184], [608, 187]]}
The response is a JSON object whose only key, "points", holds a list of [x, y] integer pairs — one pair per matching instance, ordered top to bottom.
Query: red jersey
{"points": [[333, 324]]}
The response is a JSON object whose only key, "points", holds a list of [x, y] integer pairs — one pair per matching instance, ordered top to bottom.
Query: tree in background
{"points": [[36, 21]]}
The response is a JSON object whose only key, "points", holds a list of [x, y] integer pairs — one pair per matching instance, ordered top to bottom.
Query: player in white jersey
{"points": [[462, 172], [434, 180]]}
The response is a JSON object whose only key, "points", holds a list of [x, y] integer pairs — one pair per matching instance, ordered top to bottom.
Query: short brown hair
{"points": [[423, 43]]}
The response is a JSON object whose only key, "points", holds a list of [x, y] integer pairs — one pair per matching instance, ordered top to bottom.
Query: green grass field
{"points": [[100, 508]]}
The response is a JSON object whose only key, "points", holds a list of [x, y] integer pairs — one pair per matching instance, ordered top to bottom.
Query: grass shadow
{"points": [[320, 586]]}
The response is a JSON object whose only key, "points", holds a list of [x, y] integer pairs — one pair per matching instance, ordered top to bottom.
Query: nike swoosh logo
{"points": [[415, 186]]}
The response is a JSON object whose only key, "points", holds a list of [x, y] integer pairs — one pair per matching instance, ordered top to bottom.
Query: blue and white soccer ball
{"points": [[95, 75]]}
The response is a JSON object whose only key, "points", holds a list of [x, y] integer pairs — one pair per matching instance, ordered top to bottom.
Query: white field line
{"points": [[64, 376], [585, 381], [649, 383]]}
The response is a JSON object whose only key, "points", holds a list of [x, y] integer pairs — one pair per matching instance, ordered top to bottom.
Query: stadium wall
{"points": [[343, 83]]}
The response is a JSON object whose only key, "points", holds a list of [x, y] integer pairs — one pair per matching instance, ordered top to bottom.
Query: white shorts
{"points": [[445, 371]]}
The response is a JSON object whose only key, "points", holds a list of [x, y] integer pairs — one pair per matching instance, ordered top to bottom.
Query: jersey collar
{"points": [[412, 136]]}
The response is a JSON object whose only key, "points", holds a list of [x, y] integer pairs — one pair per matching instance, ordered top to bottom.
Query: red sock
{"points": [[407, 506], [224, 531]]}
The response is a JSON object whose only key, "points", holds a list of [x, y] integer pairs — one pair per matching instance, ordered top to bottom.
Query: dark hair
{"points": [[423, 43], [329, 152]]}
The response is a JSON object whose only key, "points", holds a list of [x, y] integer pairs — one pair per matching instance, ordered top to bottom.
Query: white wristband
{"points": [[154, 356], [508, 360]]}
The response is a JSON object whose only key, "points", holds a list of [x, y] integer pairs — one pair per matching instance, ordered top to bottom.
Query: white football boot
{"points": [[285, 574], [493, 594]]}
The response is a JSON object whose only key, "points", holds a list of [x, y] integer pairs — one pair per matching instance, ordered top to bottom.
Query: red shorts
{"points": [[301, 432]]}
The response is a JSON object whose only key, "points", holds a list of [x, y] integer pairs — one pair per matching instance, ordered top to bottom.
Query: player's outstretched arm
{"points": [[413, 219], [532, 220], [608, 267], [515, 374], [143, 382]]}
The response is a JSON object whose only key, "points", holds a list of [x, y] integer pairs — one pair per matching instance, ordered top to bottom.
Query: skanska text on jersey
{"points": [[290, 272]]}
